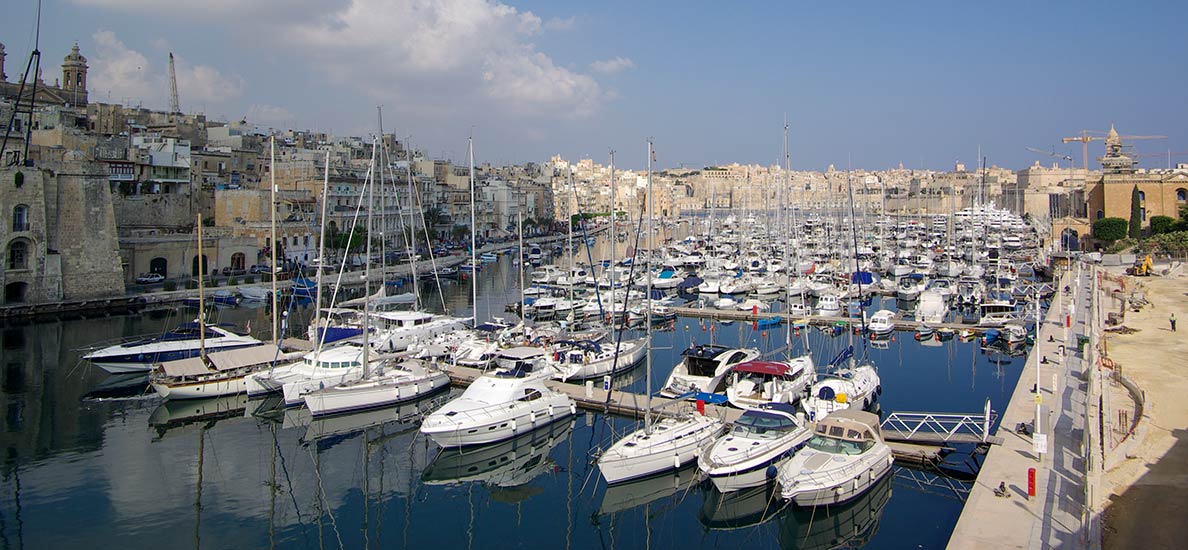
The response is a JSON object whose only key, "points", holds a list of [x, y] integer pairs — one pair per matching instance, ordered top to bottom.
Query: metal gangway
{"points": [[941, 428]]}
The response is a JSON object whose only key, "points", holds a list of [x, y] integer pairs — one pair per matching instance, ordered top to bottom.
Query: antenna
{"points": [[174, 106]]}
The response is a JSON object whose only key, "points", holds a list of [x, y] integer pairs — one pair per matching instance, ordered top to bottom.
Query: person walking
{"points": [[1172, 319]]}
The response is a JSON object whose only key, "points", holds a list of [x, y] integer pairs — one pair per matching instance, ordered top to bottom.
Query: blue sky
{"points": [[922, 83]]}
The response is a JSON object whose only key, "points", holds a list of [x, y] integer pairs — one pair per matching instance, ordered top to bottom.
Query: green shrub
{"points": [[1136, 215], [1162, 224], [1109, 229], [249, 279], [232, 281], [212, 283], [191, 284], [170, 286]]}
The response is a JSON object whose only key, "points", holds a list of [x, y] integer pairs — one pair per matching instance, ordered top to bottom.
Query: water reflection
{"points": [[506, 467], [849, 525]]}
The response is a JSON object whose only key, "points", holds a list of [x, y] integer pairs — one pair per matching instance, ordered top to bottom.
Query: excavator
{"points": [[1142, 267]]}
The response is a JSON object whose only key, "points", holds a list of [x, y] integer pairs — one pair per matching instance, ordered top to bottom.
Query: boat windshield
{"points": [[759, 425], [834, 442]]}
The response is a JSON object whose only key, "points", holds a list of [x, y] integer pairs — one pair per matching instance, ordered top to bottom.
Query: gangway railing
{"points": [[941, 428]]}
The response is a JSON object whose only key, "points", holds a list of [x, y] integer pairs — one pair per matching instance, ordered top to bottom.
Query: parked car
{"points": [[260, 268], [228, 272], [150, 278]]}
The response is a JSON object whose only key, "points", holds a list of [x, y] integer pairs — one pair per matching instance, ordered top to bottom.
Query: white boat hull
{"points": [[343, 399]]}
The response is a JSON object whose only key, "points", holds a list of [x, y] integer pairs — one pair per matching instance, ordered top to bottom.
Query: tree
{"points": [[1136, 214], [1162, 224], [1109, 229], [459, 231]]}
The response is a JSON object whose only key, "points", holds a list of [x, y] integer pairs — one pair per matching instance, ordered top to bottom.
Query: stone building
{"points": [[71, 90], [1161, 193], [58, 232]]}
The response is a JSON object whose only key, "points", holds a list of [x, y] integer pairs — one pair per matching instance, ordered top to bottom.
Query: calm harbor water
{"points": [[93, 461]]}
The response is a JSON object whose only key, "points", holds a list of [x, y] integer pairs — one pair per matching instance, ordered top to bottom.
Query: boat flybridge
{"points": [[704, 369], [755, 383], [497, 406], [845, 457]]}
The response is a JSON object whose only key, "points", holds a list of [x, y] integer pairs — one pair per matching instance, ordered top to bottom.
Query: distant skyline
{"points": [[874, 84]]}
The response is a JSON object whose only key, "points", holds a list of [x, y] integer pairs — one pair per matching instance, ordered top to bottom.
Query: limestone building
{"points": [[1161, 193]]}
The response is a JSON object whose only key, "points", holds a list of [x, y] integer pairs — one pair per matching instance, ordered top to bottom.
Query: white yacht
{"points": [[829, 305], [932, 308], [996, 313], [882, 322], [403, 328], [180, 343], [582, 360], [330, 366], [704, 369], [390, 383], [755, 383], [852, 385], [501, 405], [760, 438], [666, 444], [845, 456]]}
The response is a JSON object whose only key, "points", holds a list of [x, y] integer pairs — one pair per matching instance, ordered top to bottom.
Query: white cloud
{"points": [[559, 24], [443, 55], [611, 66], [120, 72], [126, 75]]}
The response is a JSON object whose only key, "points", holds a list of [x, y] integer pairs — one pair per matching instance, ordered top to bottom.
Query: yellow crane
{"points": [[1086, 137]]}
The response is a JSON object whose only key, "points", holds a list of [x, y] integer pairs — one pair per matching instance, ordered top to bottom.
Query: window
{"points": [[1181, 195], [1142, 196], [1143, 211], [1100, 214], [20, 218], [18, 255]]}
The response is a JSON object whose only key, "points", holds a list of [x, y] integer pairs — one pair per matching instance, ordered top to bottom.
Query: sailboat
{"points": [[220, 373], [388, 382], [661, 444]]}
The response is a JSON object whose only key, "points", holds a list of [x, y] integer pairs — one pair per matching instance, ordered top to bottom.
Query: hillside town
{"points": [[98, 195]]}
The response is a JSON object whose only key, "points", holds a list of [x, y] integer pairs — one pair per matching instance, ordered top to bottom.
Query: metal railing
{"points": [[943, 427]]}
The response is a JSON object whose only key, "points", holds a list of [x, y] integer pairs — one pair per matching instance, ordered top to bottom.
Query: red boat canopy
{"points": [[763, 367]]}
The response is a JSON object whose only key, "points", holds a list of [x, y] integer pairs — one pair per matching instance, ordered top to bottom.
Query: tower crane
{"points": [[174, 105], [1085, 138]]}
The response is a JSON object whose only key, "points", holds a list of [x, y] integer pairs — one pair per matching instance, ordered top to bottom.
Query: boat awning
{"points": [[221, 361], [762, 367]]}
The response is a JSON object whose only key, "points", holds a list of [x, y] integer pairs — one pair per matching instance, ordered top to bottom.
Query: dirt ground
{"points": [[1147, 490]]}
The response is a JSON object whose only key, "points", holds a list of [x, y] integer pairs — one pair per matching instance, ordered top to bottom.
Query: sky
{"points": [[863, 84]]}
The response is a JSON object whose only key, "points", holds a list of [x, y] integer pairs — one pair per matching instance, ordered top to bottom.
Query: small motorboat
{"points": [[844, 458]]}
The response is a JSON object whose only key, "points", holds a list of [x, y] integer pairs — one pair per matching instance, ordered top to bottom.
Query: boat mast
{"points": [[785, 194], [520, 226], [473, 228], [614, 233], [275, 244], [321, 247], [367, 264], [648, 275], [201, 295]]}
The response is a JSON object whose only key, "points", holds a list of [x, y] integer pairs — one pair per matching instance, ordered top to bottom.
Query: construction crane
{"points": [[174, 105], [1085, 138]]}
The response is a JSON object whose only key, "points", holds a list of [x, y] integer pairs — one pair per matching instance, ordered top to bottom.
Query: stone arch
{"points": [[1181, 195], [20, 217], [1070, 239], [18, 254], [238, 260], [159, 265], [195, 269], [14, 293]]}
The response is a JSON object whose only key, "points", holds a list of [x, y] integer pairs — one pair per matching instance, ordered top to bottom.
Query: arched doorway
{"points": [[1070, 240], [238, 260], [159, 266], [195, 269], [14, 293]]}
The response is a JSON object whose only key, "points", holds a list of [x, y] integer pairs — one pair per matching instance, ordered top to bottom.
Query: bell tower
{"points": [[74, 76], [3, 77]]}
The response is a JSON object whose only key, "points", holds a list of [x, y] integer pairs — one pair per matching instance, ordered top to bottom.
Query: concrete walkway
{"points": [[1055, 516]]}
